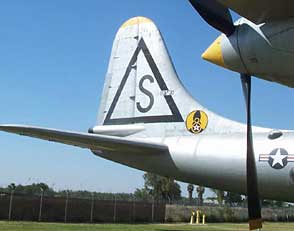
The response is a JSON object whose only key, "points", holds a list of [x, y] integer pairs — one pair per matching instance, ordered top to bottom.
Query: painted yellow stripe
{"points": [[135, 21]]}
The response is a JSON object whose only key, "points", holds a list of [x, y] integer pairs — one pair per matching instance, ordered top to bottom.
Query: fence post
{"points": [[10, 204], [41, 204], [65, 208], [92, 208], [114, 209], [134, 210], [152, 211]]}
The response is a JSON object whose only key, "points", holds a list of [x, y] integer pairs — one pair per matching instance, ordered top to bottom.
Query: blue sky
{"points": [[54, 56]]}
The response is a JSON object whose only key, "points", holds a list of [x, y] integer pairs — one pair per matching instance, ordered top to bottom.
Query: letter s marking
{"points": [[146, 92]]}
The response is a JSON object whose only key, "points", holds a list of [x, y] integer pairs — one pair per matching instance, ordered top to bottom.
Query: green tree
{"points": [[11, 187], [162, 188], [32, 189], [190, 189], [200, 191], [142, 194], [220, 195], [233, 198], [272, 203], [280, 204]]}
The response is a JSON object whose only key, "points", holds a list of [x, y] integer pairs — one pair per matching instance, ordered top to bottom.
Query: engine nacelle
{"points": [[265, 51]]}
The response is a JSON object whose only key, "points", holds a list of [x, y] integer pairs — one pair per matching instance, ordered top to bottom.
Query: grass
{"points": [[34, 226]]}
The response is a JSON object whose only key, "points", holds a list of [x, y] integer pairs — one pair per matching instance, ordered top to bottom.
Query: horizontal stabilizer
{"points": [[85, 140]]}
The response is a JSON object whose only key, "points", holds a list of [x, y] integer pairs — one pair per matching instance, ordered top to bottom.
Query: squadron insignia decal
{"points": [[196, 121], [277, 159]]}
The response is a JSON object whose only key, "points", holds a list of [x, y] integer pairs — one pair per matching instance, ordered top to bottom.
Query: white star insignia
{"points": [[197, 127], [278, 158]]}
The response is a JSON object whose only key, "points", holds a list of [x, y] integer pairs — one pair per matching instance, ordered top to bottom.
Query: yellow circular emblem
{"points": [[196, 121]]}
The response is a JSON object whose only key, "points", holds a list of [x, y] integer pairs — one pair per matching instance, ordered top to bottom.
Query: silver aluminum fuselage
{"points": [[218, 161]]}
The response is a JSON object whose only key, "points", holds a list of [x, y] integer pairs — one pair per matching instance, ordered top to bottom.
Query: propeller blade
{"points": [[215, 14], [254, 209]]}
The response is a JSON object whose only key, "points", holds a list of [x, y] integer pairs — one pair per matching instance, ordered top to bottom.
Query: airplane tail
{"points": [[142, 93]]}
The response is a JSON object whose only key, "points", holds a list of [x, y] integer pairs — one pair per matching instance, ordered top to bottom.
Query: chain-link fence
{"points": [[42, 208], [67, 209], [182, 213]]}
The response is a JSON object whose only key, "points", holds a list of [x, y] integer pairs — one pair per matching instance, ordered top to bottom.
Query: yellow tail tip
{"points": [[135, 21], [214, 54]]}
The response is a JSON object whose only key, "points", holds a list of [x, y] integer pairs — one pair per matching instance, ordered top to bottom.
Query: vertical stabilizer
{"points": [[142, 87], [135, 90]]}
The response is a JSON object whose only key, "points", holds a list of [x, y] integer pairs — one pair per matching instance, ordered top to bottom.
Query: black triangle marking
{"points": [[176, 115]]}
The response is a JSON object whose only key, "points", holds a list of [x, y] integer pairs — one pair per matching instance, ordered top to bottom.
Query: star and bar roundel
{"points": [[277, 158]]}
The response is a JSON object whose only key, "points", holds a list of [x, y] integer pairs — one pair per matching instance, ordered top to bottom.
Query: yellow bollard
{"points": [[197, 216], [192, 218], [203, 219]]}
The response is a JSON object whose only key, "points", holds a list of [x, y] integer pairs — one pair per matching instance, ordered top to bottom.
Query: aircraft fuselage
{"points": [[219, 161]]}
